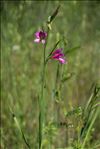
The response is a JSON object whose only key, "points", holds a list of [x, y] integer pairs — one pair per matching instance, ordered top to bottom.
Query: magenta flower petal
{"points": [[37, 34], [40, 37], [57, 51], [58, 55], [62, 60]]}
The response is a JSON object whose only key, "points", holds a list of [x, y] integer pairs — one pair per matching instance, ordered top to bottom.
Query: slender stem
{"points": [[41, 99], [90, 127], [20, 129]]}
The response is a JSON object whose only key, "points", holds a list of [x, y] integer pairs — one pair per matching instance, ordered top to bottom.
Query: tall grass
{"points": [[54, 112]]}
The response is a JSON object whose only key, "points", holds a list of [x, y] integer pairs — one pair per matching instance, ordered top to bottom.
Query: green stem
{"points": [[41, 99], [90, 127], [19, 128]]}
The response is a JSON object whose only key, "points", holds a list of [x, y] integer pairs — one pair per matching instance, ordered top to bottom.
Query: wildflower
{"points": [[40, 37], [58, 55]]}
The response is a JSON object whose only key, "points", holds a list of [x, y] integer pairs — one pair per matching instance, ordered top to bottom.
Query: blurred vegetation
{"points": [[78, 22]]}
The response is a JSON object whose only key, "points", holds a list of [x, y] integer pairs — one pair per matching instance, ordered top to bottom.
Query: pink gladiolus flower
{"points": [[40, 37], [58, 55]]}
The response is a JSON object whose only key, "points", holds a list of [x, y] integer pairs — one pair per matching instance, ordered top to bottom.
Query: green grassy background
{"points": [[79, 23]]}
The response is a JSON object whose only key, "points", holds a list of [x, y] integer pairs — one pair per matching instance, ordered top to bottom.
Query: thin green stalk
{"points": [[56, 95], [41, 99], [88, 110], [90, 127], [19, 128], [96, 146]]}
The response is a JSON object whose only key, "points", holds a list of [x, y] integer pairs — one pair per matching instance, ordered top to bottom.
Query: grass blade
{"points": [[52, 17], [72, 50], [90, 127], [20, 130]]}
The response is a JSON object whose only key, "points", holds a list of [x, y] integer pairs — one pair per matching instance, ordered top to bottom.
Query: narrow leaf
{"points": [[51, 18], [54, 47], [72, 50], [52, 51], [67, 77], [19, 128]]}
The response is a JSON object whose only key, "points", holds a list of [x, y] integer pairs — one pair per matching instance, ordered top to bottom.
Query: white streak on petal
{"points": [[37, 40], [43, 41], [62, 60]]}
